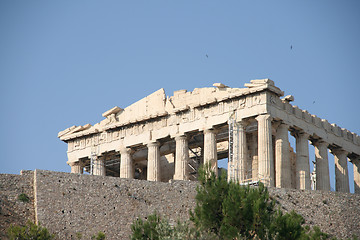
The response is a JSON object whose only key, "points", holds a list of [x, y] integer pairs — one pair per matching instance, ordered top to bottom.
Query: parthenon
{"points": [[160, 138]]}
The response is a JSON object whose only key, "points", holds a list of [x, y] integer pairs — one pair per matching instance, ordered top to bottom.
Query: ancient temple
{"points": [[160, 138]]}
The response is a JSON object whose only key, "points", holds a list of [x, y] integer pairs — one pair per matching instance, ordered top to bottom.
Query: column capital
{"points": [[263, 117], [242, 123], [283, 126], [210, 130], [299, 133], [303, 134], [180, 137], [319, 142], [153, 144], [125, 150], [339, 151], [76, 163], [76, 166]]}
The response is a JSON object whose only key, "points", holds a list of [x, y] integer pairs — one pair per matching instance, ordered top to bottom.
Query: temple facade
{"points": [[160, 138]]}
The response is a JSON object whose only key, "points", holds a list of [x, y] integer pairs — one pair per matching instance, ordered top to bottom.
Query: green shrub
{"points": [[23, 197], [158, 228], [147, 229], [29, 231], [78, 235], [100, 236]]}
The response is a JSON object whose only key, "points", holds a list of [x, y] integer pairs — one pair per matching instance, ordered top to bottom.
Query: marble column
{"points": [[210, 149], [265, 151], [254, 156], [282, 157], [181, 158], [302, 161], [126, 164], [241, 164], [356, 165], [99, 166], [322, 166], [76, 167], [153, 167], [237, 168], [341, 171]]}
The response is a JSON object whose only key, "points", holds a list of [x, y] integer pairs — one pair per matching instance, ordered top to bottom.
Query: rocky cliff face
{"points": [[70, 203]]}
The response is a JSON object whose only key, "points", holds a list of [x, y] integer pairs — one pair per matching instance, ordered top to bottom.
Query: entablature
{"points": [[181, 102], [313, 125]]}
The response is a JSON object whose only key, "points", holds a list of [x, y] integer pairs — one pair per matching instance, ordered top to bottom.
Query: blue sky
{"points": [[64, 63]]}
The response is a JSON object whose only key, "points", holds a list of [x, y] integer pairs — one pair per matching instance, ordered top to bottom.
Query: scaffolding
{"points": [[233, 156], [93, 157], [194, 163], [235, 170], [313, 177]]}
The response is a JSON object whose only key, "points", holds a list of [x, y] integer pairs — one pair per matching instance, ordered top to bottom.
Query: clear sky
{"points": [[64, 63]]}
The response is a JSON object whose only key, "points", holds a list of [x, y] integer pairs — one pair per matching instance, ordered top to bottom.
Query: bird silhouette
{"points": [[290, 47], [206, 55]]}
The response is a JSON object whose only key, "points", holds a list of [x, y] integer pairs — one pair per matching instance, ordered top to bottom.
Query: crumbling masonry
{"points": [[160, 138]]}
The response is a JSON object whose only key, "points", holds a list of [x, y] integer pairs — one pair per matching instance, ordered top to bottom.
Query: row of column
{"points": [[181, 158], [283, 165], [272, 170]]}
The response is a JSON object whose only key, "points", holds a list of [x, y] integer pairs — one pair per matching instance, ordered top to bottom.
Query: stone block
{"points": [[219, 85], [297, 111], [307, 116], [317, 121], [326, 125], [336, 130], [357, 139]]}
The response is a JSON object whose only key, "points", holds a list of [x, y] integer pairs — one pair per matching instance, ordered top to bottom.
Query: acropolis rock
{"points": [[160, 138]]}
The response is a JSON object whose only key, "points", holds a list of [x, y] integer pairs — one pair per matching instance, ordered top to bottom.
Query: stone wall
{"points": [[70, 203], [12, 210], [335, 213]]}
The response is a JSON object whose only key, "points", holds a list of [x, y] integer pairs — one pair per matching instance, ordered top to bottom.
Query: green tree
{"points": [[211, 192], [228, 210], [246, 211], [288, 226], [29, 231]]}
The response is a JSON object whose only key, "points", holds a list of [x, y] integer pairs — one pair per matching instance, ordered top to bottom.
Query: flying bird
{"points": [[290, 47], [206, 55], [313, 102]]}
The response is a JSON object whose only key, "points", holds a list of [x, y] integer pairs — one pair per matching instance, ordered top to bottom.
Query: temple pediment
{"points": [[158, 104]]}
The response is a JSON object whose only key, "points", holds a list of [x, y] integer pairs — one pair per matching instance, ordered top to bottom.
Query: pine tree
{"points": [[211, 192], [228, 210], [231, 211]]}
